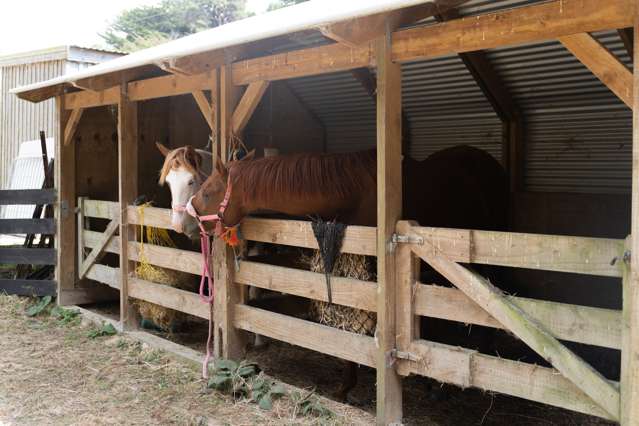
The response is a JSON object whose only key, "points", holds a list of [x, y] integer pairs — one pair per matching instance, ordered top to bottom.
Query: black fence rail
{"points": [[28, 255]]}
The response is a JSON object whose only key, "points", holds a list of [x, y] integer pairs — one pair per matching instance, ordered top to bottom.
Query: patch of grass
{"points": [[38, 307], [65, 316], [107, 329], [153, 356], [309, 404]]}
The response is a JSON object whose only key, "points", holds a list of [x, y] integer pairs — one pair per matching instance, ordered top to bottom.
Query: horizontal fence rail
{"points": [[27, 196], [27, 226], [28, 256], [25, 287], [593, 326], [459, 366], [465, 368]]}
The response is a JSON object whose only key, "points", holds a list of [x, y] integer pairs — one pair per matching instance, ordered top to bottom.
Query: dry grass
{"points": [[338, 316], [53, 374]]}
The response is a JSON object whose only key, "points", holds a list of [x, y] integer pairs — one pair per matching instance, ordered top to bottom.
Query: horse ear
{"points": [[164, 150], [249, 156], [219, 166]]}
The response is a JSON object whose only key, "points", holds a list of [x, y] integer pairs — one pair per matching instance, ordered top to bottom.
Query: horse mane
{"points": [[181, 157], [309, 174]]}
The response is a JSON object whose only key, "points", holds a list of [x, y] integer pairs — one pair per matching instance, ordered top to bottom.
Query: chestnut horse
{"points": [[456, 187], [459, 187]]}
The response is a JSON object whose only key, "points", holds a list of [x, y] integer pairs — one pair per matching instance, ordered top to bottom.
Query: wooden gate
{"points": [[27, 255], [571, 383]]}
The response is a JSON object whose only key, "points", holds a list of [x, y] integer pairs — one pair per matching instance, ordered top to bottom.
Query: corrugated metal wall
{"points": [[20, 120], [579, 134]]}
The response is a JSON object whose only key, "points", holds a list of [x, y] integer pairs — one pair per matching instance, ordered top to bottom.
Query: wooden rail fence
{"points": [[23, 255], [570, 383]]}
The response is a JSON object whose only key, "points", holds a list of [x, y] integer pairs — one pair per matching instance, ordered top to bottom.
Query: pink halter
{"points": [[205, 247]]}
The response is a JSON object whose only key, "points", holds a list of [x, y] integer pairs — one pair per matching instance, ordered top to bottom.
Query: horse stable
{"points": [[544, 87]]}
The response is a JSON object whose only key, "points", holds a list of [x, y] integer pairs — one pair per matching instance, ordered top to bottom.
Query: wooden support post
{"points": [[514, 151], [128, 187], [389, 206], [65, 240], [630, 336], [230, 342]]}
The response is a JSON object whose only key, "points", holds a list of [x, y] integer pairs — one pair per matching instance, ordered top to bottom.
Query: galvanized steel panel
{"points": [[21, 120]]}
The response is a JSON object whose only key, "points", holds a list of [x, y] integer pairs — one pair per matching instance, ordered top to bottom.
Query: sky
{"points": [[38, 24]]}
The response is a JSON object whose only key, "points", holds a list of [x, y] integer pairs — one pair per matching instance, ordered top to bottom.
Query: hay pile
{"points": [[343, 317], [163, 318]]}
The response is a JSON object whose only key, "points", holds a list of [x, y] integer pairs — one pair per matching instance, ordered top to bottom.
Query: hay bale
{"points": [[344, 317], [165, 318]]}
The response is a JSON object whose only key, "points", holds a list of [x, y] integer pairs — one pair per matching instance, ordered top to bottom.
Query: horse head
{"points": [[184, 170], [216, 197]]}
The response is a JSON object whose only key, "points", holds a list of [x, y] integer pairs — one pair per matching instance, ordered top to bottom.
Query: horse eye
{"points": [[190, 183]]}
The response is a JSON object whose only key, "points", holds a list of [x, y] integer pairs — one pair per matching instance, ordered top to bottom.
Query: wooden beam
{"points": [[539, 22], [358, 31], [304, 62], [603, 64], [486, 77], [106, 81], [152, 88], [247, 105], [205, 108], [72, 125], [65, 182], [128, 187], [389, 210], [98, 248], [491, 299], [630, 350]]}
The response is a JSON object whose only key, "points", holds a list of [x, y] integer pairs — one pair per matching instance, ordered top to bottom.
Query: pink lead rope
{"points": [[207, 252]]}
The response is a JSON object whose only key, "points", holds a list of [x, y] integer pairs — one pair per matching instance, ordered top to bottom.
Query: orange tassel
{"points": [[231, 237]]}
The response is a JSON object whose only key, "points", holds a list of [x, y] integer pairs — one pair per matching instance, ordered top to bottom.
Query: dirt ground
{"points": [[52, 373], [55, 374]]}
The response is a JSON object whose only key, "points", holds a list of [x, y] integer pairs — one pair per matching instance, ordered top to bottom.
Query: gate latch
{"points": [[407, 239], [395, 355]]}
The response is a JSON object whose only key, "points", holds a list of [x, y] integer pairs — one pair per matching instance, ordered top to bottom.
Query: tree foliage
{"points": [[278, 4], [147, 26]]}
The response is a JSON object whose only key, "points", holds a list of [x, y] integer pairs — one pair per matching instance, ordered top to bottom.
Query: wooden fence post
{"points": [[128, 188], [389, 206], [65, 239], [407, 270], [227, 293], [630, 341]]}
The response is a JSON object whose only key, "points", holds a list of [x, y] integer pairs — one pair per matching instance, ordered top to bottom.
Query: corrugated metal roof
{"points": [[288, 20], [58, 53]]}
